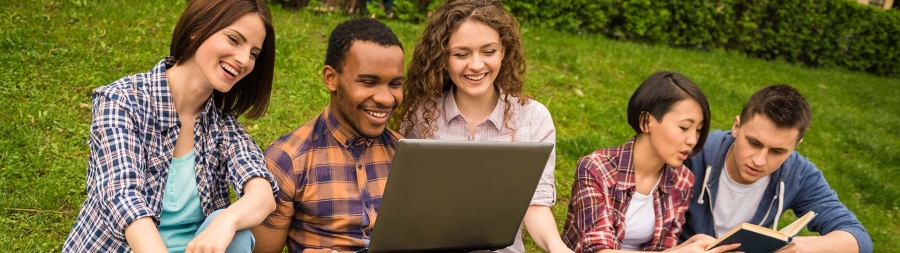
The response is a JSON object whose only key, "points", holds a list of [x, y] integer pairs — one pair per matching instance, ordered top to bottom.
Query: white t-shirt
{"points": [[735, 202], [640, 219]]}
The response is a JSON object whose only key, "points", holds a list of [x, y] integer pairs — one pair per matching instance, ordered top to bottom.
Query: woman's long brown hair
{"points": [[202, 19]]}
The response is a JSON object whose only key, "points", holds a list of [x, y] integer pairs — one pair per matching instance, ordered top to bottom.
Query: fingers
{"points": [[701, 237], [203, 247], [725, 248]]}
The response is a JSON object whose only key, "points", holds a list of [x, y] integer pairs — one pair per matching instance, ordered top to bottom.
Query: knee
{"points": [[214, 214], [243, 242]]}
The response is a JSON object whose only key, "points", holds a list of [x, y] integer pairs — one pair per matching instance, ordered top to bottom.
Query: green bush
{"points": [[817, 33]]}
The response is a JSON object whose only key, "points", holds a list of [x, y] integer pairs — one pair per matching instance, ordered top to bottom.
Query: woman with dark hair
{"points": [[465, 83], [165, 144], [633, 197]]}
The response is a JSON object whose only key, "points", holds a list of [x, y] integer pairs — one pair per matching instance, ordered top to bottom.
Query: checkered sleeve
{"points": [[117, 152], [244, 158], [280, 164], [684, 181], [545, 194], [589, 227]]}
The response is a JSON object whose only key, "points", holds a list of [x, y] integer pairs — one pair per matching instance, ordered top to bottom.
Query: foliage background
{"points": [[819, 33]]}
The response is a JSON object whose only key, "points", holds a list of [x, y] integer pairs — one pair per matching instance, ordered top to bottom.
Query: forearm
{"points": [[252, 208], [542, 228], [143, 236], [836, 241]]}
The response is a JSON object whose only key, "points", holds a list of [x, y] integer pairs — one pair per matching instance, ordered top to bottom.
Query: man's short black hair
{"points": [[359, 29]]}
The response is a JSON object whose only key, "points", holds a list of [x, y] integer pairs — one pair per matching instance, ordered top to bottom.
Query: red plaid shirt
{"points": [[603, 188]]}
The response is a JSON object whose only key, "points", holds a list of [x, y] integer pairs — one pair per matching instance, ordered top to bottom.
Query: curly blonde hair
{"points": [[427, 76]]}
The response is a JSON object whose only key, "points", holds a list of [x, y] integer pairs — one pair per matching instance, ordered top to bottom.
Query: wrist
{"points": [[225, 218], [558, 246]]}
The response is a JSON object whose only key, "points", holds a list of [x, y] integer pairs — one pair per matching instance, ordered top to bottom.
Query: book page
{"points": [[794, 228]]}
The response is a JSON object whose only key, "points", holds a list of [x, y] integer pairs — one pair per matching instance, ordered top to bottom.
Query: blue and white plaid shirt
{"points": [[133, 134]]}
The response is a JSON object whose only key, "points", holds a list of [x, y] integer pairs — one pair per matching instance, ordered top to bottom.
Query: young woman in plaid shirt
{"points": [[165, 144], [633, 197]]}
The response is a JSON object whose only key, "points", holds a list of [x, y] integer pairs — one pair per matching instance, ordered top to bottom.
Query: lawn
{"points": [[56, 52]]}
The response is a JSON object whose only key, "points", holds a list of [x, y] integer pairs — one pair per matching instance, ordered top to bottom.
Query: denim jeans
{"points": [[243, 241]]}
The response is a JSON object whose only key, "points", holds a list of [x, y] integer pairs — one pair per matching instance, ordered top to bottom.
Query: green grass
{"points": [[55, 52]]}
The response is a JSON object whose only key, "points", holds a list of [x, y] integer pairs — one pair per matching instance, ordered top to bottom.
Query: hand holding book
{"points": [[755, 238], [698, 243]]}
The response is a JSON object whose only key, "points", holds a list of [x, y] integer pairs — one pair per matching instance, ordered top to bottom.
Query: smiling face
{"points": [[230, 54], [474, 60], [371, 86], [675, 136], [759, 149]]}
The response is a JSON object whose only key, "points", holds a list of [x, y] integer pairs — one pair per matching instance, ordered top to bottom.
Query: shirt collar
{"points": [[164, 104], [451, 110], [340, 132], [626, 171]]}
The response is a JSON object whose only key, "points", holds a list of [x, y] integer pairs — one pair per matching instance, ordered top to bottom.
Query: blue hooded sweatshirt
{"points": [[796, 185]]}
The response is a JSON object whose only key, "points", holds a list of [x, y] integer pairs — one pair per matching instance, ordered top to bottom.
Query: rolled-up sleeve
{"points": [[544, 131], [245, 159], [281, 166], [118, 167]]}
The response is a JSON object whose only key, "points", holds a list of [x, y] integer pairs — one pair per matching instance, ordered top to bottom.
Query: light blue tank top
{"points": [[181, 213]]}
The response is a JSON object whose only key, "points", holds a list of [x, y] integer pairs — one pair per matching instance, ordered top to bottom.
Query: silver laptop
{"points": [[457, 196]]}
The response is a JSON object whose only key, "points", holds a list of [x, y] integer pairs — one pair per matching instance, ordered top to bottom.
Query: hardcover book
{"points": [[758, 239]]}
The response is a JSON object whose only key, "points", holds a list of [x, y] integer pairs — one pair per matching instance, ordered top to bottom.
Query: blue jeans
{"points": [[242, 242]]}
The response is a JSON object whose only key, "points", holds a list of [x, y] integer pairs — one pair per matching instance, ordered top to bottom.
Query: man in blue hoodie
{"points": [[753, 174]]}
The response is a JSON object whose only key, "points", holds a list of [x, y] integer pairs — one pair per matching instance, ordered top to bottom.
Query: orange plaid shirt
{"points": [[331, 184]]}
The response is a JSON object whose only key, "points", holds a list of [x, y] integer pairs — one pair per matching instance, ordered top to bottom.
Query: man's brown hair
{"points": [[782, 104]]}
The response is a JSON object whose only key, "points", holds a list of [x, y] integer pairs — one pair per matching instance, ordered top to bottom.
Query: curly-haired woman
{"points": [[465, 83]]}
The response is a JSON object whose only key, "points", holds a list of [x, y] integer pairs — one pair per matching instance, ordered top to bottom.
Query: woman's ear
{"points": [[644, 122]]}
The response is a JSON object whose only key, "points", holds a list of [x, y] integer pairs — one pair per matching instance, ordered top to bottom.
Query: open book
{"points": [[757, 239]]}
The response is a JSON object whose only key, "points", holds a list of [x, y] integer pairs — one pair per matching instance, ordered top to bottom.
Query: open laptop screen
{"points": [[457, 195]]}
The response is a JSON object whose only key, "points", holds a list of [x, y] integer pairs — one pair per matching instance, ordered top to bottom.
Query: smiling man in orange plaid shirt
{"points": [[333, 169]]}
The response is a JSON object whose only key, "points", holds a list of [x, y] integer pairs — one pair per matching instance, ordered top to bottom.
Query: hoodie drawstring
{"points": [[703, 189], [780, 205]]}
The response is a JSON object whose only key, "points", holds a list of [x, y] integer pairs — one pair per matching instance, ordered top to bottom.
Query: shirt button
{"points": [[359, 166], [171, 199]]}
